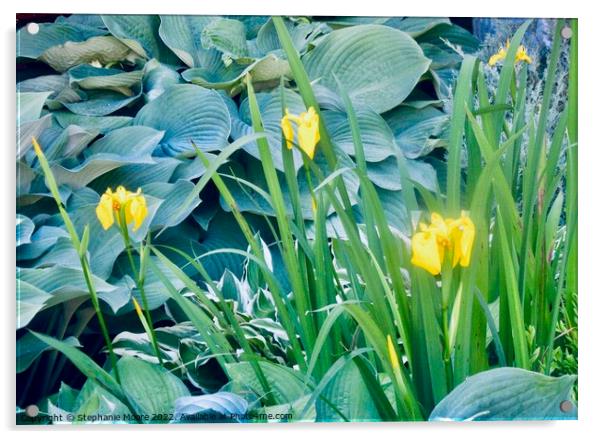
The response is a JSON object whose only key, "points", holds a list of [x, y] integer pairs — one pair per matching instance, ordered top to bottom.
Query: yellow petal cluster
{"points": [[521, 55], [308, 130], [111, 204], [431, 243]]}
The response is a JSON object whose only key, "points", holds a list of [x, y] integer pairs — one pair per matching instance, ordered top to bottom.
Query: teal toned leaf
{"points": [[378, 65], [194, 114], [150, 388], [507, 394]]}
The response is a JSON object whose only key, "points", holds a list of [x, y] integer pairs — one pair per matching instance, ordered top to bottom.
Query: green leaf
{"points": [[141, 34], [182, 34], [50, 35], [226, 35], [104, 50], [378, 65], [29, 105], [195, 115], [418, 131], [120, 147], [25, 228], [64, 283], [30, 300], [30, 347], [85, 364], [286, 384], [150, 388], [507, 394], [346, 395], [220, 403]]}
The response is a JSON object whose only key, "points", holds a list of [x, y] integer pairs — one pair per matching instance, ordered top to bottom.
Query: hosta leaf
{"points": [[416, 26], [141, 34], [182, 34], [301, 34], [50, 35], [226, 35], [104, 50], [378, 65], [219, 75], [89, 77], [158, 78], [100, 102], [29, 105], [194, 114], [103, 124], [27, 130], [418, 130], [377, 138], [122, 146], [385, 174], [25, 228], [41, 240], [63, 283], [30, 300], [30, 347], [286, 384], [151, 389], [507, 394], [346, 395], [221, 404]]}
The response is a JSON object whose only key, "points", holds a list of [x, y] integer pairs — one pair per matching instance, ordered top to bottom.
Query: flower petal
{"points": [[104, 210], [137, 210], [425, 252]]}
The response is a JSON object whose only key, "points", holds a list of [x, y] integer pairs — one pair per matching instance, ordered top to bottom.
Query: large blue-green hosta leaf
{"points": [[141, 34], [182, 34], [49, 35], [226, 35], [103, 49], [377, 65], [188, 113], [418, 130], [120, 147], [58, 284], [286, 384], [150, 389], [507, 394], [346, 398], [224, 405]]}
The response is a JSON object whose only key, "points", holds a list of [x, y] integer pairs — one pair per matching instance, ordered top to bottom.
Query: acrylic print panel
{"points": [[281, 219]]}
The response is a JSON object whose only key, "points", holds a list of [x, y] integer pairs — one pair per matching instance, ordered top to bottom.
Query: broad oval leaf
{"points": [[378, 65], [188, 113], [150, 388], [507, 394]]}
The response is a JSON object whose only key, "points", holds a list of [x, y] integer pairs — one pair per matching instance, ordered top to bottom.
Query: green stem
{"points": [[139, 280]]}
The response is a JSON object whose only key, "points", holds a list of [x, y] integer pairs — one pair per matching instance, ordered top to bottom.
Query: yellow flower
{"points": [[521, 55], [308, 130], [111, 204], [463, 233], [431, 242], [425, 252], [392, 353]]}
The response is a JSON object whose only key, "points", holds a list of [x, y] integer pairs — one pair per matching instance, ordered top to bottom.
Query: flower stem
{"points": [[139, 280]]}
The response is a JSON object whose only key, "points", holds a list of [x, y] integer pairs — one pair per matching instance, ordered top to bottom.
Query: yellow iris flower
{"points": [[521, 55], [308, 130], [111, 203], [450, 235]]}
